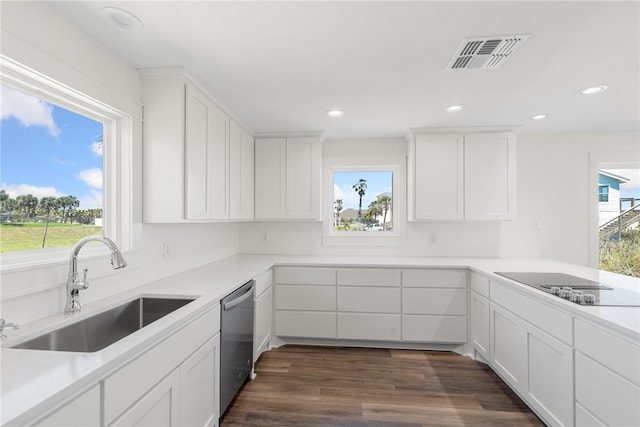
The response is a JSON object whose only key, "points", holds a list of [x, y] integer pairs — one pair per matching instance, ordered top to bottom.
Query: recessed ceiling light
{"points": [[120, 18], [593, 89], [455, 108], [335, 113], [539, 116]]}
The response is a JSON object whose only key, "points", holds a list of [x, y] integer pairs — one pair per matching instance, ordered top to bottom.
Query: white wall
{"points": [[37, 38], [557, 190], [554, 205], [452, 239]]}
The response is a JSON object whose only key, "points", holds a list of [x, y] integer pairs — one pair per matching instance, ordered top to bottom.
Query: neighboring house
{"points": [[609, 195]]}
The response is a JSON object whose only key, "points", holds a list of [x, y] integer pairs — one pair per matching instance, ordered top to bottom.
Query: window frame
{"points": [[117, 163], [601, 194], [391, 237]]}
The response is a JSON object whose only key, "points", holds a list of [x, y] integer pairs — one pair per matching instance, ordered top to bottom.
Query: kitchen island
{"points": [[36, 384]]}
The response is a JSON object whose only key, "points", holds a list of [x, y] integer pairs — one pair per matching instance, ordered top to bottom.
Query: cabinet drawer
{"points": [[305, 276], [369, 277], [434, 278], [263, 282], [480, 284], [305, 297], [369, 300], [434, 301], [545, 317], [305, 324], [378, 327], [445, 329], [614, 352], [132, 381], [605, 394]]}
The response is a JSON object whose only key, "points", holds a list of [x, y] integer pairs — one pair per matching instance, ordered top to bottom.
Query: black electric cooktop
{"points": [[575, 289]]}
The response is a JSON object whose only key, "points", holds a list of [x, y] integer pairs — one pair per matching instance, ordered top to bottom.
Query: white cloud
{"points": [[29, 110], [96, 147], [91, 177], [15, 190], [350, 198], [92, 200]]}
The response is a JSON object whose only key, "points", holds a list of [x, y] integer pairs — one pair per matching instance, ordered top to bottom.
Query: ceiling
{"points": [[281, 65]]}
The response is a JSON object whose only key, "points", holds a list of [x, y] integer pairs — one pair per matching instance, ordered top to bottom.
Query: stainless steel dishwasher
{"points": [[236, 342]]}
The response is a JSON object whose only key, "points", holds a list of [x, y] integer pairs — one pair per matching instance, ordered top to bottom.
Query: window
{"points": [[40, 118], [51, 190], [603, 193], [363, 201]]}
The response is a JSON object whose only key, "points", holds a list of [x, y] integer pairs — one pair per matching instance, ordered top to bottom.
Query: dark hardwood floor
{"points": [[337, 386]]}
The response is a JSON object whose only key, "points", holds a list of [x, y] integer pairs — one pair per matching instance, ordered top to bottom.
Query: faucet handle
{"points": [[85, 283], [4, 324]]}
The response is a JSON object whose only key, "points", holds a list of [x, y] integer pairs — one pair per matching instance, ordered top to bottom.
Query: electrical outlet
{"points": [[264, 237], [432, 238], [165, 249]]}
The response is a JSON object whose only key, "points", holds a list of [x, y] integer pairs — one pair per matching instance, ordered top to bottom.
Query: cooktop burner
{"points": [[575, 289]]}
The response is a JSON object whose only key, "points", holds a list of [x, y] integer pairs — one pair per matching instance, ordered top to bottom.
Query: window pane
{"points": [[51, 183], [363, 201]]}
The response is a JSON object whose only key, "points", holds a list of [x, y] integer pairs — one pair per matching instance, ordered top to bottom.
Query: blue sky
{"points": [[49, 151], [377, 183]]}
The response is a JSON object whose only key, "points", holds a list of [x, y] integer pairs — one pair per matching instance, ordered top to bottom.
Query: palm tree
{"points": [[360, 187], [27, 203], [385, 203], [47, 204], [67, 204], [338, 204], [375, 210]]}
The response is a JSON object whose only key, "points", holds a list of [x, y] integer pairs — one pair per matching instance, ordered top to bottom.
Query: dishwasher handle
{"points": [[230, 304]]}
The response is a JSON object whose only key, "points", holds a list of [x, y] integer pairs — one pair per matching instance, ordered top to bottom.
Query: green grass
{"points": [[22, 237], [622, 256]]}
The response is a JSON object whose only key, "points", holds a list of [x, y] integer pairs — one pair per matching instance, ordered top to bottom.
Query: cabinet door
{"points": [[198, 155], [206, 158], [218, 167], [240, 173], [269, 178], [303, 178], [489, 179], [437, 184], [263, 320], [306, 324], [480, 324], [508, 347], [549, 377], [198, 386], [158, 408], [82, 411]]}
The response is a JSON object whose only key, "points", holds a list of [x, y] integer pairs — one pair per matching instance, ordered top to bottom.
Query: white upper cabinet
{"points": [[206, 158], [197, 162], [241, 173], [461, 176], [489, 176], [438, 177], [287, 178]]}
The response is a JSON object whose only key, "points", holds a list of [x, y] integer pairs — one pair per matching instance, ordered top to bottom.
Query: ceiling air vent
{"points": [[485, 52]]}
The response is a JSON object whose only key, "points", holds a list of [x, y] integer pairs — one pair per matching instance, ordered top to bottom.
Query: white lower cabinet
{"points": [[305, 302], [263, 316], [480, 320], [376, 327], [536, 365], [607, 371], [179, 372], [200, 386], [158, 407], [82, 411]]}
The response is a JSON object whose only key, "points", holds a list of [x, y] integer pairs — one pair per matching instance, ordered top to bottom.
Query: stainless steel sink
{"points": [[103, 329]]}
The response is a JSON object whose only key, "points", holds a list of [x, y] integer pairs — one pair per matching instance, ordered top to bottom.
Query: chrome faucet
{"points": [[74, 285], [4, 324]]}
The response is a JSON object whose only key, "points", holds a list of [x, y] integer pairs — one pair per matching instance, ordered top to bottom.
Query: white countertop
{"points": [[35, 381]]}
